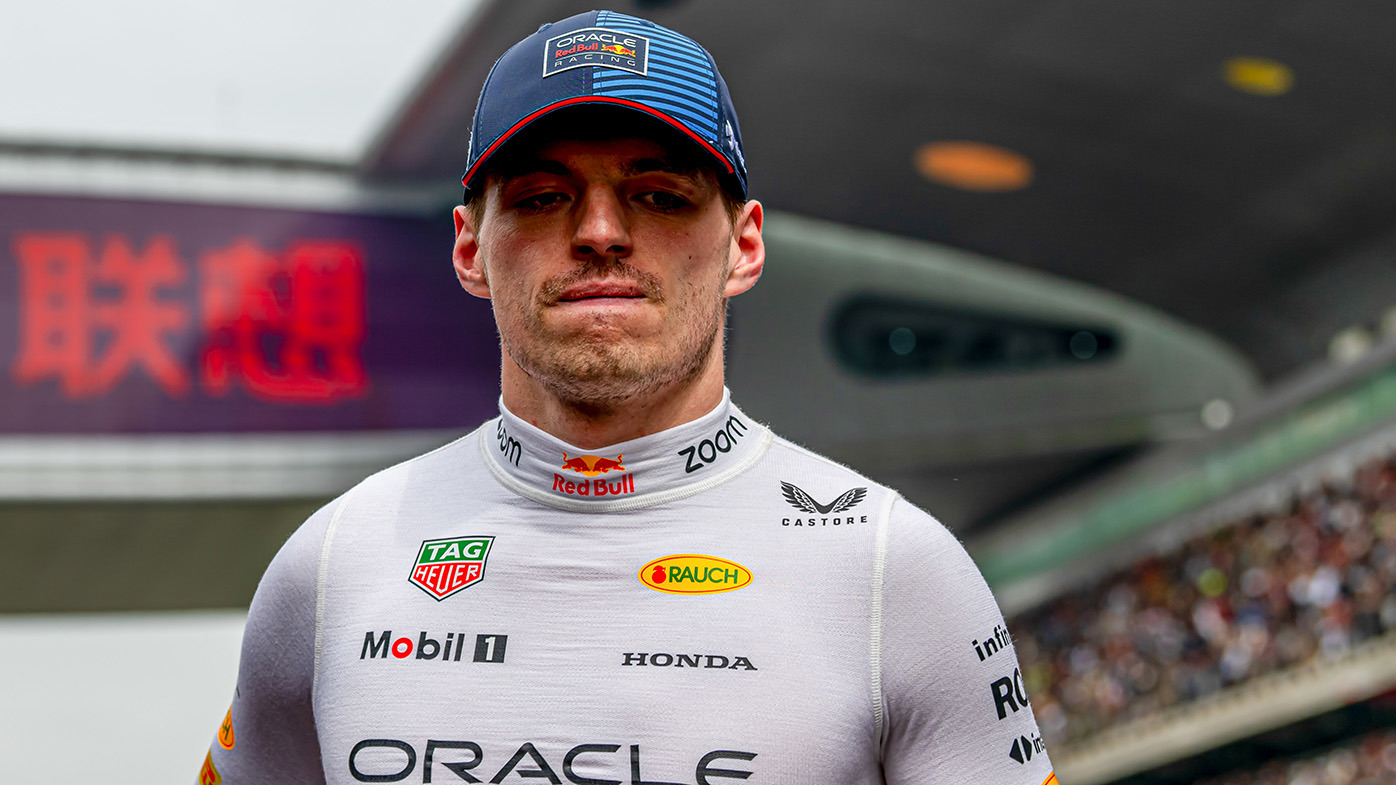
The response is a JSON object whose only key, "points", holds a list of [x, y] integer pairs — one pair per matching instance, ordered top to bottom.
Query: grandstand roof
{"points": [[1231, 164]]}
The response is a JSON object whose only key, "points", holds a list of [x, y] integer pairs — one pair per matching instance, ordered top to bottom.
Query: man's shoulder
{"points": [[797, 460], [447, 461], [798, 464]]}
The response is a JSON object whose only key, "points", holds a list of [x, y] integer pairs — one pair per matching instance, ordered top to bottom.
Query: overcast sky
{"points": [[311, 77]]}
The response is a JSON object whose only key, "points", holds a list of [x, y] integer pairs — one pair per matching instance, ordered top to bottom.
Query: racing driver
{"points": [[622, 579]]}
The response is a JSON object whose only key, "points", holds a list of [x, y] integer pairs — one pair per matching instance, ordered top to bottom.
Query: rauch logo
{"points": [[446, 566], [694, 573]]}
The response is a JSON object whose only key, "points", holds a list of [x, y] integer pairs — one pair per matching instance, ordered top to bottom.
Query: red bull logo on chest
{"points": [[604, 476], [448, 565]]}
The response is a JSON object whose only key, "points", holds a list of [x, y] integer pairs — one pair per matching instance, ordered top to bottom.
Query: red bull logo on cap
{"points": [[596, 46], [599, 471]]}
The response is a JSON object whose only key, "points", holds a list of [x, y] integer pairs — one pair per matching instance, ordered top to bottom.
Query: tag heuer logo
{"points": [[446, 566]]}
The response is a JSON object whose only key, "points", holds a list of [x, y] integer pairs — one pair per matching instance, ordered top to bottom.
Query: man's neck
{"points": [[592, 425]]}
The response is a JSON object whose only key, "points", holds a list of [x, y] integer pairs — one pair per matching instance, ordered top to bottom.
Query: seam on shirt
{"points": [[766, 439], [322, 570], [322, 574], [879, 574]]}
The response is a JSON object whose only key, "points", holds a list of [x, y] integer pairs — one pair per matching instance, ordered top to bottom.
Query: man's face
{"points": [[609, 263]]}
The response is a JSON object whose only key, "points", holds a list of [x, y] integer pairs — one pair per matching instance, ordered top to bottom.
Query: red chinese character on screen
{"points": [[72, 304], [289, 327]]}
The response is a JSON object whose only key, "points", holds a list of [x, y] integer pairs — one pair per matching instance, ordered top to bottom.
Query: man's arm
{"points": [[956, 707], [271, 737]]}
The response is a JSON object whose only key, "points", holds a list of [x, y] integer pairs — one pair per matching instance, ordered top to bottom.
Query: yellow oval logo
{"points": [[694, 573], [226, 740]]}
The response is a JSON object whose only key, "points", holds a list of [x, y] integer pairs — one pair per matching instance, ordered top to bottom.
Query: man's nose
{"points": [[602, 225]]}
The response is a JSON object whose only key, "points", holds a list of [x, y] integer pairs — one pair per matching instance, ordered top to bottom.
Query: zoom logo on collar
{"points": [[702, 453]]}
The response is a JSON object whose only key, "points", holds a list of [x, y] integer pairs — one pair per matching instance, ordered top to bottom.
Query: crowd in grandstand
{"points": [[1262, 594], [1368, 760]]}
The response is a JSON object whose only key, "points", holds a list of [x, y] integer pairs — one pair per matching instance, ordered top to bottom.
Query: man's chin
{"points": [[619, 322], [599, 373], [594, 385]]}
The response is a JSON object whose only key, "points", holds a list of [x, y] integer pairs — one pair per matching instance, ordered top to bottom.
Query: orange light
{"points": [[1258, 76], [973, 166]]}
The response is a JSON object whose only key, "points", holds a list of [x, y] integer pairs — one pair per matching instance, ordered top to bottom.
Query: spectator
{"points": [[1260, 594], [1367, 760]]}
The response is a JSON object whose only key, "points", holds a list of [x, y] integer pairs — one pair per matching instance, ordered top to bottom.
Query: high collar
{"points": [[661, 467]]}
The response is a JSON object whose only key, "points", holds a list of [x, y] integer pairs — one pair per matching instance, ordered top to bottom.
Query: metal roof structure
{"points": [[1230, 166]]}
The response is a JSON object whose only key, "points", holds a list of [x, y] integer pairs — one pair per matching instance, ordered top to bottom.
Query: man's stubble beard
{"points": [[588, 370]]}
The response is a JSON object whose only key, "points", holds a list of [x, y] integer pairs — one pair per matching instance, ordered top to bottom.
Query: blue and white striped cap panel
{"points": [[604, 57], [679, 79]]}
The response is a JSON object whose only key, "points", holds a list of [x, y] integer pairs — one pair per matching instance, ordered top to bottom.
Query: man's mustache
{"points": [[607, 268]]}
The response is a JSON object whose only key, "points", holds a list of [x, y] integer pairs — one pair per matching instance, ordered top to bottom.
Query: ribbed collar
{"points": [[661, 467]]}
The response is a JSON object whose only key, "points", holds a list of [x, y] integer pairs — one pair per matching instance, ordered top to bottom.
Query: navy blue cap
{"points": [[607, 58]]}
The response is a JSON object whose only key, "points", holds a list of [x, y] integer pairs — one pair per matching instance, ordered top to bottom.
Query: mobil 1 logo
{"points": [[487, 648]]}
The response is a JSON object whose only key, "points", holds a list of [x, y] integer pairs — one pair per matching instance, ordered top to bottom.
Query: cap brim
{"points": [[593, 100]]}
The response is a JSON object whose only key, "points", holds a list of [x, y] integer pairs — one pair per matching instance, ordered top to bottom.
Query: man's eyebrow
{"points": [[665, 165], [522, 167], [509, 170]]}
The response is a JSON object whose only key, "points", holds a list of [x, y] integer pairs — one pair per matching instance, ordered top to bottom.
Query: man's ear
{"points": [[748, 250], [465, 257]]}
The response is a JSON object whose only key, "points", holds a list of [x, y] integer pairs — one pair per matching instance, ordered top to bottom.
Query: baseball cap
{"points": [[608, 58]]}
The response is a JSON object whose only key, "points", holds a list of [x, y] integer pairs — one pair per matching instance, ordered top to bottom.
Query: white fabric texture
{"points": [[470, 616]]}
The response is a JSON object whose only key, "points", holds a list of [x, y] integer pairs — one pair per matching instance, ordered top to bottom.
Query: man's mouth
{"points": [[601, 291]]}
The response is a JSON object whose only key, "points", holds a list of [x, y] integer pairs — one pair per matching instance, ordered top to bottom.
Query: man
{"points": [[622, 579]]}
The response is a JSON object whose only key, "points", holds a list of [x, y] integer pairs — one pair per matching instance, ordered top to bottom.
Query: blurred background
{"points": [[1109, 288]]}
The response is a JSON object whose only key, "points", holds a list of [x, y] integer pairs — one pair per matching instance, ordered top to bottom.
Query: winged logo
{"points": [[804, 502]]}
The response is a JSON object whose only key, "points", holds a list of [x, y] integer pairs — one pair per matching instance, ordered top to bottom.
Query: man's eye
{"points": [[664, 200], [539, 201]]}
